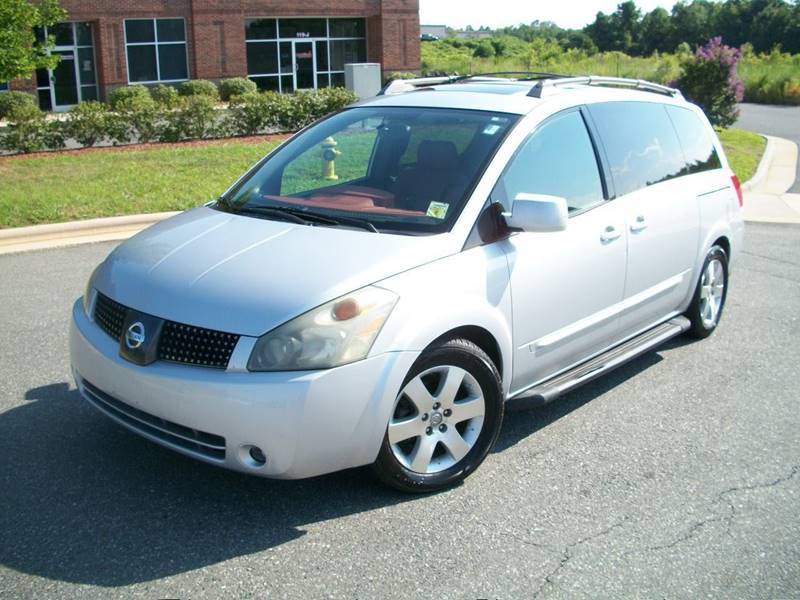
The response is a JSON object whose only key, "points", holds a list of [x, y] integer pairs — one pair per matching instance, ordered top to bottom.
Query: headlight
{"points": [[87, 294], [339, 332]]}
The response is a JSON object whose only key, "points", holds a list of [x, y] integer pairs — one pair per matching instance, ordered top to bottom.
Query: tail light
{"points": [[738, 187]]}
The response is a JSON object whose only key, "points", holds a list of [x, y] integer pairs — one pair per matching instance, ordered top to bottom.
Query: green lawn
{"points": [[744, 151], [83, 185]]}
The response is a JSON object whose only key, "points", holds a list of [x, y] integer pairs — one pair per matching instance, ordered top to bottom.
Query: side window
{"points": [[640, 142], [698, 147], [558, 160]]}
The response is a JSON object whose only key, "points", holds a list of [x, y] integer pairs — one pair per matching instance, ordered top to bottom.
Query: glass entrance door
{"points": [[305, 66], [74, 79], [65, 81]]}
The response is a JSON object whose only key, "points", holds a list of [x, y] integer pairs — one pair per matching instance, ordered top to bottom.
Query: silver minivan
{"points": [[374, 290]]}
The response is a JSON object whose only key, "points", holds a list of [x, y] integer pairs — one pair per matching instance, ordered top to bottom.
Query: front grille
{"points": [[109, 315], [179, 343], [195, 345], [208, 445]]}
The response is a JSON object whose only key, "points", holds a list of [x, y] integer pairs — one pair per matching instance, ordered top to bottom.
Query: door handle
{"points": [[639, 225], [610, 234]]}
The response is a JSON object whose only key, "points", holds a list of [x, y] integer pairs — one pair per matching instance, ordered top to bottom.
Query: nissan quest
{"points": [[378, 287]]}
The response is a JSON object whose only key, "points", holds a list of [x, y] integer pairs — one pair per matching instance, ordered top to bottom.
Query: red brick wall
{"points": [[215, 31]]}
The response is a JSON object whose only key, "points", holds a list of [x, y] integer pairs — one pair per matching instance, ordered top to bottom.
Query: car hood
{"points": [[247, 275]]}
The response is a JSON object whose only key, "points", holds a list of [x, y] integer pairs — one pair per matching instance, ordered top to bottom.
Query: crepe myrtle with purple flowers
{"points": [[710, 80]]}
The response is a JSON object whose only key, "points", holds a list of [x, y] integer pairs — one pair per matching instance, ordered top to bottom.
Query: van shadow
{"points": [[84, 501]]}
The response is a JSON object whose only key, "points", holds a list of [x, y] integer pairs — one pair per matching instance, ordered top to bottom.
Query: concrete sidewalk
{"points": [[766, 197]]}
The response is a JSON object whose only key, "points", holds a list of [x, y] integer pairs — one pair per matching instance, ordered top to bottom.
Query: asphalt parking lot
{"points": [[676, 476]]}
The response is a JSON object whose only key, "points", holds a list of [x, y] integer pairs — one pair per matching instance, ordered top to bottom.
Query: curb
{"points": [[763, 165], [36, 237]]}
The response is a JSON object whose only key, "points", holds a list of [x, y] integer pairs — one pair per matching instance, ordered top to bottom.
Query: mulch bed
{"points": [[256, 139]]}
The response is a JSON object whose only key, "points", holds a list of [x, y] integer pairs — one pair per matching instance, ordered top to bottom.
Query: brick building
{"points": [[280, 44]]}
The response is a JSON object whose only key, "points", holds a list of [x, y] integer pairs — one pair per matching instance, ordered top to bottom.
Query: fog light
{"points": [[257, 454]]}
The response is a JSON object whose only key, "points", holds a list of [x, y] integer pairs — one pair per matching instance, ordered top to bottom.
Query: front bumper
{"points": [[306, 423]]}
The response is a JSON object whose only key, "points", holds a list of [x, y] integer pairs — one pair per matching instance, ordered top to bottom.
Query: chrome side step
{"points": [[611, 359]]}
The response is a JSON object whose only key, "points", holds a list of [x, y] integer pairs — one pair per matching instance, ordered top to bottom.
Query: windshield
{"points": [[390, 168]]}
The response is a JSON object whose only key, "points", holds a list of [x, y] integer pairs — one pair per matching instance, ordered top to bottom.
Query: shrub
{"points": [[483, 50], [395, 75], [710, 80], [238, 86], [199, 87], [127, 94], [165, 96], [333, 99], [10, 100], [295, 111], [250, 114], [137, 118], [195, 118], [88, 123], [29, 131]]}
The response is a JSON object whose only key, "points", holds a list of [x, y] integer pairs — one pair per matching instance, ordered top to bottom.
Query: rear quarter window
{"points": [[696, 141], [640, 142]]}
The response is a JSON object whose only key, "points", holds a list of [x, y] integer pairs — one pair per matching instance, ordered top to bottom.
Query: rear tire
{"points": [[705, 310], [445, 419]]}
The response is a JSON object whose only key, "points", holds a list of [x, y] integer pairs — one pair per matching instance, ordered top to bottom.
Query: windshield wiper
{"points": [[267, 211], [300, 216], [325, 219], [330, 220]]}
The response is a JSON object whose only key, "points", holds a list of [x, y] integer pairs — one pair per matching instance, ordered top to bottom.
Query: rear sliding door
{"points": [[660, 207]]}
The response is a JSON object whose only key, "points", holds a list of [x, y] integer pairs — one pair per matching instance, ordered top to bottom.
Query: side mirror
{"points": [[537, 212]]}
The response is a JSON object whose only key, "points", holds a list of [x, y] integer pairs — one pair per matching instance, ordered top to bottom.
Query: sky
{"points": [[500, 13]]}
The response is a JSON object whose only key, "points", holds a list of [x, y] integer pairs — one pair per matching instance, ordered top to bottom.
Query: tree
{"points": [[626, 21], [692, 22], [618, 31], [602, 32], [656, 32], [20, 51]]}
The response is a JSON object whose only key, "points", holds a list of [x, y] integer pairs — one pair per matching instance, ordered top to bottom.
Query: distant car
{"points": [[429, 37], [375, 289]]}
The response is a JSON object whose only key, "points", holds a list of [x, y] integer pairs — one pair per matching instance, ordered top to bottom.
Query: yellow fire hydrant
{"points": [[329, 154]]}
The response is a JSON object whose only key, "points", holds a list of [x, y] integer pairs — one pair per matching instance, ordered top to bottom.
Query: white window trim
{"points": [[328, 38], [156, 43]]}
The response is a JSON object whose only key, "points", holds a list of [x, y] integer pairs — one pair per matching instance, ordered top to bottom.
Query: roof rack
{"points": [[545, 82], [401, 86], [542, 87]]}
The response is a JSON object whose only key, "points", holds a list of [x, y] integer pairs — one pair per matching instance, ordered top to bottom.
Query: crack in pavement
{"points": [[729, 518], [567, 554]]}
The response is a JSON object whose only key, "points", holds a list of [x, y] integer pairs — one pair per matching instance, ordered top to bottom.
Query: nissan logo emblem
{"points": [[134, 337]]}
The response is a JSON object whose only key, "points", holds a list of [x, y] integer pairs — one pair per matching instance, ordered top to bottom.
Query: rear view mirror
{"points": [[537, 212]]}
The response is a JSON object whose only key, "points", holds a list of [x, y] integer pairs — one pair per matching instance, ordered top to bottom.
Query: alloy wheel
{"points": [[712, 289], [437, 419]]}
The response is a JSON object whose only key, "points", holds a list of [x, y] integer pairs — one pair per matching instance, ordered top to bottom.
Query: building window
{"points": [[156, 50], [288, 54], [74, 79], [3, 87]]}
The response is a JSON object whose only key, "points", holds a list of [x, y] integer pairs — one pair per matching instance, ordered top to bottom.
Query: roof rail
{"points": [[401, 86], [542, 87]]}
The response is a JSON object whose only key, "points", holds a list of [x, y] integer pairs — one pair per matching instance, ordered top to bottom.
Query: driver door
{"points": [[566, 286]]}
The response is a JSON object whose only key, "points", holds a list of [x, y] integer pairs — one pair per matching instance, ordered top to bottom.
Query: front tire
{"points": [[705, 310], [445, 419]]}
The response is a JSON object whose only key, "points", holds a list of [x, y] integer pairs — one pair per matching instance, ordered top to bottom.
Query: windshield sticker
{"points": [[491, 129], [437, 210]]}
